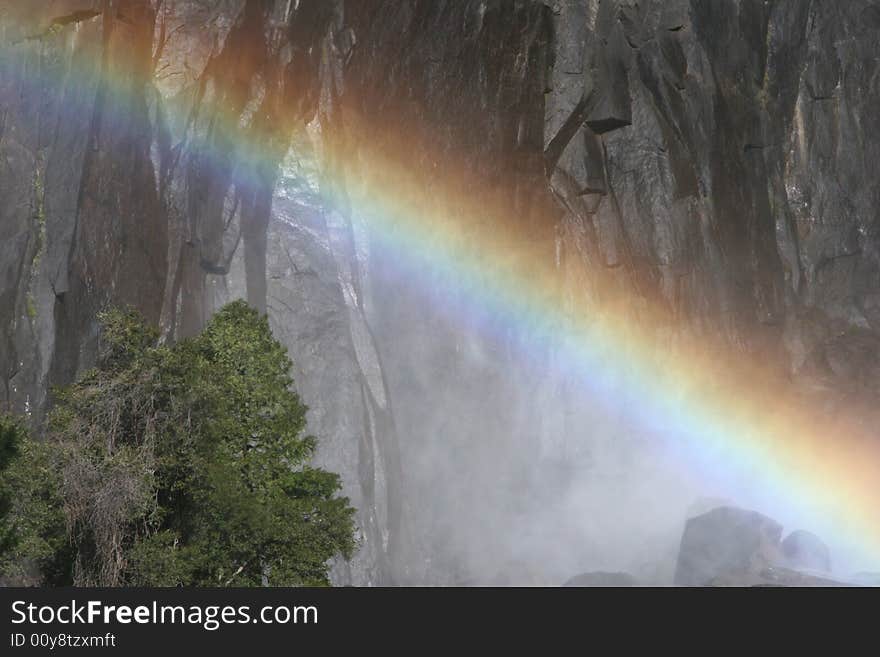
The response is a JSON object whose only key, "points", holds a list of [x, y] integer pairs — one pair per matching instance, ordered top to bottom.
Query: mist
{"points": [[436, 203], [517, 466]]}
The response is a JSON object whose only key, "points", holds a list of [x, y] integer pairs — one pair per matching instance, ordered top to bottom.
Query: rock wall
{"points": [[141, 144], [720, 156]]}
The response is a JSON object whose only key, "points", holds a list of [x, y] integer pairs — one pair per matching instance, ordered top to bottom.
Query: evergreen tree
{"points": [[10, 437], [186, 464], [33, 540]]}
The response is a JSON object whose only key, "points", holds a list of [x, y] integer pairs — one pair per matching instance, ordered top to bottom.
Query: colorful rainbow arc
{"points": [[719, 418], [723, 421]]}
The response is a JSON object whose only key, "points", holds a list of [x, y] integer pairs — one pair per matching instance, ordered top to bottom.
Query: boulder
{"points": [[726, 543], [806, 551]]}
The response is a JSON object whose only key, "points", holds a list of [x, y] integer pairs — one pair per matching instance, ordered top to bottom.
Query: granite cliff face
{"points": [[715, 156]]}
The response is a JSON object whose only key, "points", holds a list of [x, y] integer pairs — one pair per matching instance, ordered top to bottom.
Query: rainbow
{"points": [[719, 418], [731, 424]]}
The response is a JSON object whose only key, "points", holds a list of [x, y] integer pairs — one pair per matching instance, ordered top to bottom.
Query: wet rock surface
{"points": [[726, 543], [728, 546], [806, 551], [777, 576], [601, 579]]}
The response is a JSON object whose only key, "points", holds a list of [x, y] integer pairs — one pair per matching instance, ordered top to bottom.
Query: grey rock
{"points": [[726, 543], [806, 551], [776, 576], [602, 579]]}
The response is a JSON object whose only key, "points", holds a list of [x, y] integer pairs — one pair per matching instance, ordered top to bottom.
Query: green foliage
{"points": [[125, 338], [10, 438], [186, 464], [32, 530]]}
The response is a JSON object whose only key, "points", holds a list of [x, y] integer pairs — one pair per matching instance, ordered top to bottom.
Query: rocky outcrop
{"points": [[78, 180], [730, 186], [726, 543], [728, 546], [805, 551], [777, 576], [600, 579]]}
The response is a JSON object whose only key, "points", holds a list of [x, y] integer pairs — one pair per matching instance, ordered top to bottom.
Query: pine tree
{"points": [[187, 464]]}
